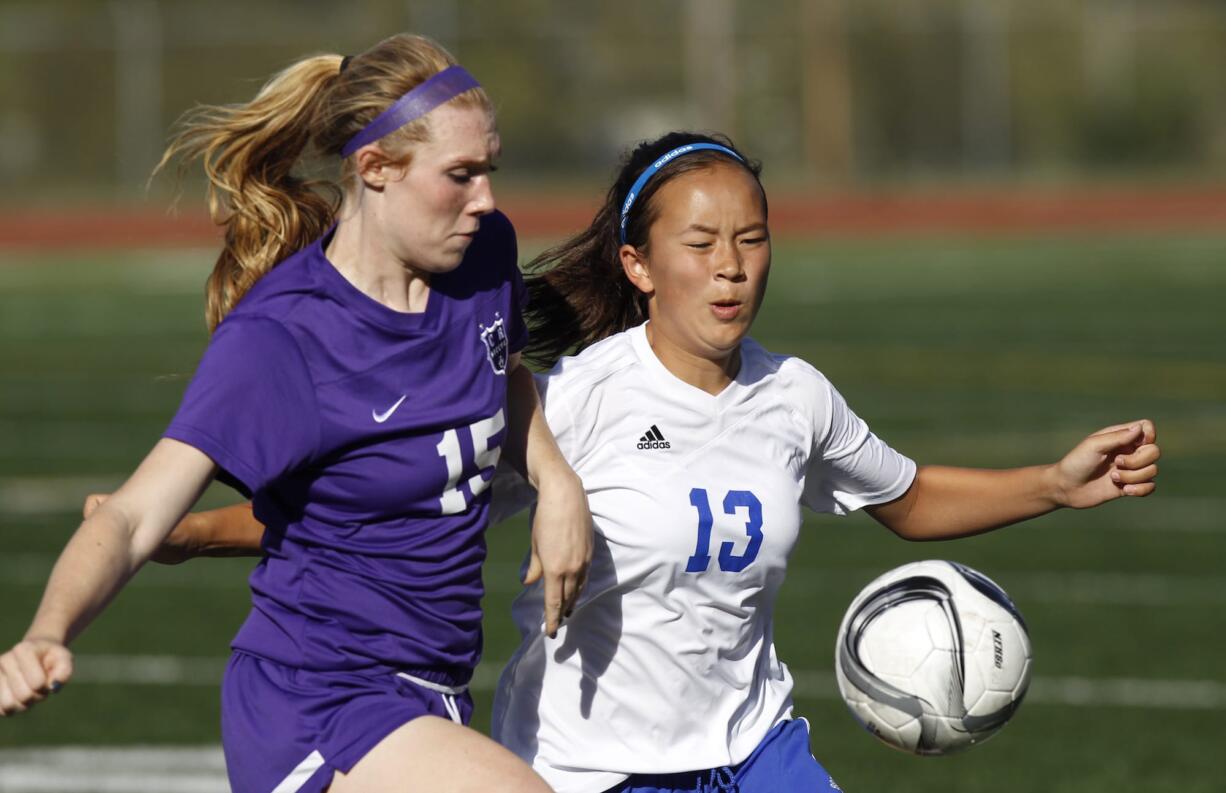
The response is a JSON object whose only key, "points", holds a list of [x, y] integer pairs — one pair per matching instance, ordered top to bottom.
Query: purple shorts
{"points": [[287, 730], [782, 762]]}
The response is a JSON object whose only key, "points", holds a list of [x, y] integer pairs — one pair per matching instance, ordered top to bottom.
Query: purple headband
{"points": [[447, 84]]}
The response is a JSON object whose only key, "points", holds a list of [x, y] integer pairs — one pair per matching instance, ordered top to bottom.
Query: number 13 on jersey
{"points": [[729, 560]]}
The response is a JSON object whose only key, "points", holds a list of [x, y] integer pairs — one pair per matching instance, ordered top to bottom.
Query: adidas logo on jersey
{"points": [[654, 439]]}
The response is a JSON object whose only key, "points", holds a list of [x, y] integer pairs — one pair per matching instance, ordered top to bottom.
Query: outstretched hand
{"points": [[1116, 461], [561, 546], [30, 671]]}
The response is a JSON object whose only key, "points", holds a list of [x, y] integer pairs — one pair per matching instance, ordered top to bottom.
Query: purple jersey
{"points": [[366, 437]]}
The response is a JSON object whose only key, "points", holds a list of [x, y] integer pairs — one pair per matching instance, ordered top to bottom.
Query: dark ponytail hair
{"points": [[578, 293]]}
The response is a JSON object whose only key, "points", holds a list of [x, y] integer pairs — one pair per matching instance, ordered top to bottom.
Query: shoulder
{"points": [[279, 293], [257, 339], [592, 369], [787, 371], [577, 391], [805, 391]]}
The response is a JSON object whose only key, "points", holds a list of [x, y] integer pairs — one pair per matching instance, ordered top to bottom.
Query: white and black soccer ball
{"points": [[932, 657]]}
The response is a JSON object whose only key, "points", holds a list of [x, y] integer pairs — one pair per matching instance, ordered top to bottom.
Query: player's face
{"points": [[432, 212], [708, 257]]}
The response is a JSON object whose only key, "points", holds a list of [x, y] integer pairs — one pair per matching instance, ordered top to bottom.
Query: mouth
{"points": [[726, 309]]}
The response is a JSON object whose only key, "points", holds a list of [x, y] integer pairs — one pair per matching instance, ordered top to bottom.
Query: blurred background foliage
{"points": [[831, 94]]}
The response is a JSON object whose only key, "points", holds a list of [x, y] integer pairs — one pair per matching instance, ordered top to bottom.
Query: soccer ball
{"points": [[932, 657]]}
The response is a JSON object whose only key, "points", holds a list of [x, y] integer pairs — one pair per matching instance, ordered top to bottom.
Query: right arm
{"points": [[256, 363], [224, 532], [108, 548]]}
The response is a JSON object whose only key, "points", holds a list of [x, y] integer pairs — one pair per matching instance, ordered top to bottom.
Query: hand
{"points": [[1113, 462], [92, 502], [561, 545], [29, 672]]}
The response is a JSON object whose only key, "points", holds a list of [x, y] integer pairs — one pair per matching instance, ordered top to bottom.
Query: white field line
{"points": [[43, 495], [33, 569], [1074, 587], [169, 670], [1121, 692], [135, 769], [202, 769]]}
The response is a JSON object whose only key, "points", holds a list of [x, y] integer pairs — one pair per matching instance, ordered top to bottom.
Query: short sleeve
{"points": [[517, 328], [251, 405], [850, 467], [511, 492]]}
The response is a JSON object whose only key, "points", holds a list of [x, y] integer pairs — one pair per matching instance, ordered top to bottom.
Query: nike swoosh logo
{"points": [[382, 417]]}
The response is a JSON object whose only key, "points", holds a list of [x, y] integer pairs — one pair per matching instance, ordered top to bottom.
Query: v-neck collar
{"points": [[674, 384]]}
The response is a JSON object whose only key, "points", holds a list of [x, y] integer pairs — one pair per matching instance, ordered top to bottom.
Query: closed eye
{"points": [[466, 175]]}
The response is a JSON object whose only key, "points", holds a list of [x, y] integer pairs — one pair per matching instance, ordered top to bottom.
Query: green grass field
{"points": [[990, 352]]}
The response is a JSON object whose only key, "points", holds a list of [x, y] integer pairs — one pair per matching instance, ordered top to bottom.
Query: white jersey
{"points": [[668, 663]]}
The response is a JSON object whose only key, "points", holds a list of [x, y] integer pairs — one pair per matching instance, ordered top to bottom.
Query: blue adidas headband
{"points": [[442, 87], [652, 169]]}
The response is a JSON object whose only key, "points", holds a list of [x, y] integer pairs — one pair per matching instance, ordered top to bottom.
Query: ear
{"points": [[373, 167], [634, 264]]}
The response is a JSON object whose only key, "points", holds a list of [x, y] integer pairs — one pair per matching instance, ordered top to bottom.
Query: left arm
{"points": [[944, 503], [562, 527]]}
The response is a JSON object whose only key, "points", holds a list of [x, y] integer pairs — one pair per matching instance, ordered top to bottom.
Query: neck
{"points": [[360, 255], [707, 374]]}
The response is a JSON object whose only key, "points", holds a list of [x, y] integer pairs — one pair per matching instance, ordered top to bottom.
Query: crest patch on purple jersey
{"points": [[497, 347]]}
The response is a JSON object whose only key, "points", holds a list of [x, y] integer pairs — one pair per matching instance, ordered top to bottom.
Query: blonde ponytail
{"points": [[250, 152]]}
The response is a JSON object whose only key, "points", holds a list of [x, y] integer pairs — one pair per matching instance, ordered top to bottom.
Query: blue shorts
{"points": [[287, 730], [782, 763]]}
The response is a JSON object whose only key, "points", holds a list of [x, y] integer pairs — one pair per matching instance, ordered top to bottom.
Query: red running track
{"points": [[861, 214]]}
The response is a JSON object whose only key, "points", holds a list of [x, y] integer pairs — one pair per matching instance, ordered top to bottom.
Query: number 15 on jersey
{"points": [[485, 457]]}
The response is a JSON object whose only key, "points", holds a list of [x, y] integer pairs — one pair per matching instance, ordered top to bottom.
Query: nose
{"points": [[482, 201], [729, 264]]}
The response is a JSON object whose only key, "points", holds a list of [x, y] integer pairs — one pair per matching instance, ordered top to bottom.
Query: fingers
{"points": [[1146, 425], [1145, 428], [1112, 439], [1142, 457], [1134, 473], [1136, 477], [91, 503], [535, 569], [574, 589], [561, 591], [555, 592], [554, 595], [58, 665], [33, 670], [28, 673], [16, 694], [8, 703]]}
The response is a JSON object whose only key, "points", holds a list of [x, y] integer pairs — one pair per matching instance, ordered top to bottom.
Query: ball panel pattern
{"points": [[932, 657]]}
